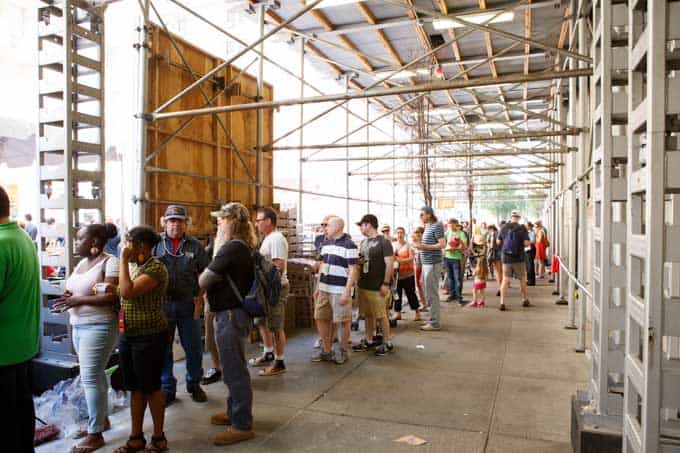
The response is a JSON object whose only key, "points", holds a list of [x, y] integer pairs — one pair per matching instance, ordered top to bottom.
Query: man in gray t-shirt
{"points": [[376, 258]]}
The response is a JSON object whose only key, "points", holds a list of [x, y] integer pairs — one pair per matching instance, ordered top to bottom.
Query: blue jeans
{"points": [[454, 274], [231, 330], [190, 338], [94, 343]]}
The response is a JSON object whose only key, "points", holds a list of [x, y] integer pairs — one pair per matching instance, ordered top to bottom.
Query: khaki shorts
{"points": [[520, 270], [372, 304], [328, 307], [277, 314]]}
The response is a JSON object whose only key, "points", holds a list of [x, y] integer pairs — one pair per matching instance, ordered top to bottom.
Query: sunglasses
{"points": [[324, 224]]}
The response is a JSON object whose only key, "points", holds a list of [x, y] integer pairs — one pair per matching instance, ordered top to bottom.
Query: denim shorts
{"points": [[141, 361]]}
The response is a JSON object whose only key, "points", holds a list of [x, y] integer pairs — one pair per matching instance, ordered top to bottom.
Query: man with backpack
{"points": [[513, 239], [274, 246]]}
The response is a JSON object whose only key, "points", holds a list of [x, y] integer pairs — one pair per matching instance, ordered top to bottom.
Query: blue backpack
{"points": [[513, 244], [265, 291]]}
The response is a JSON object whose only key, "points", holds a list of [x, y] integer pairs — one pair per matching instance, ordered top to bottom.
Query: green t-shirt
{"points": [[457, 255], [19, 296]]}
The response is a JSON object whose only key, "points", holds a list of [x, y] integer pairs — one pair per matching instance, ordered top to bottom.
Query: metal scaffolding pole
{"points": [[380, 92], [347, 134], [437, 141], [368, 154], [452, 155], [583, 155], [301, 161], [259, 163], [394, 183], [138, 217]]}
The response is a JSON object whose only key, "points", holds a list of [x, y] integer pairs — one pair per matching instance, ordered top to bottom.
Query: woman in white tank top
{"points": [[92, 302]]}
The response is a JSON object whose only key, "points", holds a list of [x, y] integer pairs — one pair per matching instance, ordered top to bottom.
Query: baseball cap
{"points": [[234, 209], [427, 210], [175, 211], [515, 213], [370, 219], [385, 227]]}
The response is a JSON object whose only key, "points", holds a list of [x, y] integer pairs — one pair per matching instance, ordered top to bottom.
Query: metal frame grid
{"points": [[71, 122], [651, 415]]}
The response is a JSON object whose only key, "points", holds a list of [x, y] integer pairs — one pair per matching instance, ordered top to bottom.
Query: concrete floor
{"points": [[490, 381]]}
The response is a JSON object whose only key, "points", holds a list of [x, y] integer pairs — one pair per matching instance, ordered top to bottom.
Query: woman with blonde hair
{"points": [[232, 271]]}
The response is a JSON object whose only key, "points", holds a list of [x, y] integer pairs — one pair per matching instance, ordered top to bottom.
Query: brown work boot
{"points": [[220, 419], [232, 435]]}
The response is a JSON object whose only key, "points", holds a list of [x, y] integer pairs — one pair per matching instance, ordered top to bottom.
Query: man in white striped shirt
{"points": [[337, 275]]}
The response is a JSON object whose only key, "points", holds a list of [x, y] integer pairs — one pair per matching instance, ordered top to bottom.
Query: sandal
{"points": [[83, 432], [158, 444], [85, 448], [129, 448]]}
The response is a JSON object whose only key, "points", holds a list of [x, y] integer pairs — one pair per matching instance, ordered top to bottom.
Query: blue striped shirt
{"points": [[433, 233], [337, 255]]}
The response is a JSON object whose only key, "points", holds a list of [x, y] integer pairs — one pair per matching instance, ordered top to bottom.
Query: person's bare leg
{"points": [[499, 272], [504, 288], [523, 288], [369, 322], [323, 325], [385, 326], [344, 328], [267, 337], [279, 342], [214, 355], [157, 407], [137, 408]]}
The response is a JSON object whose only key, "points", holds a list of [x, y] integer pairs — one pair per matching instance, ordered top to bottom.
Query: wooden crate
{"points": [[201, 149]]}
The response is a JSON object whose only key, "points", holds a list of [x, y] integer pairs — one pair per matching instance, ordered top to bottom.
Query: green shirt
{"points": [[457, 255], [19, 296], [143, 315]]}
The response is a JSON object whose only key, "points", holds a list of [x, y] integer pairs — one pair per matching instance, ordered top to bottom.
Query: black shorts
{"points": [[141, 361]]}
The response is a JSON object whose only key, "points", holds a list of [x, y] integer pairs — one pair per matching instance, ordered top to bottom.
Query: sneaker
{"points": [[526, 303], [502, 307], [430, 328], [363, 346], [384, 349], [323, 357], [341, 357], [265, 359], [277, 368], [213, 375], [197, 394], [170, 397], [220, 419], [232, 435]]}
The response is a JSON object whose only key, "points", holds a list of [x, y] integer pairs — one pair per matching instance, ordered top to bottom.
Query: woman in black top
{"points": [[232, 324]]}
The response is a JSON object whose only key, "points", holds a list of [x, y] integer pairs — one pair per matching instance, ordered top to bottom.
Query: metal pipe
{"points": [[239, 54], [380, 92], [142, 98], [259, 123], [302, 130], [436, 141], [454, 155], [459, 170], [245, 183], [347, 207]]}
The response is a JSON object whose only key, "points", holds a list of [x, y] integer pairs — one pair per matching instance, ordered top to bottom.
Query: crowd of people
{"points": [[157, 285]]}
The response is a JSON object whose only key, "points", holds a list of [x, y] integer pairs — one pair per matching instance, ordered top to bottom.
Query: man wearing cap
{"points": [[513, 239], [431, 246], [185, 258], [376, 258]]}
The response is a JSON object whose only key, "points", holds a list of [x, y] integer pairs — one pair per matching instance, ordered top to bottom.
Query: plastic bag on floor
{"points": [[63, 406]]}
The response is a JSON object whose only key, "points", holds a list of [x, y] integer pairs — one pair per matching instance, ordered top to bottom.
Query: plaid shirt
{"points": [[143, 315]]}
